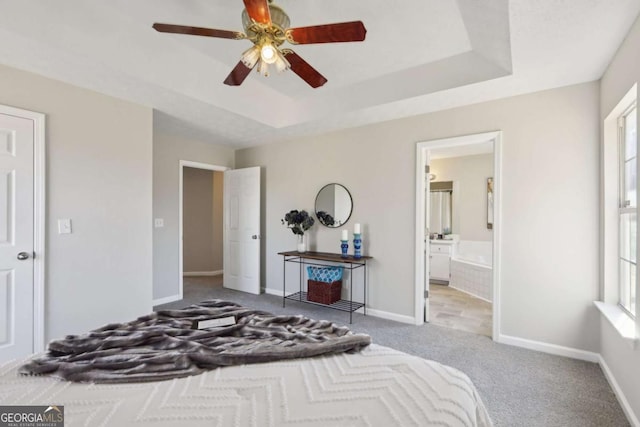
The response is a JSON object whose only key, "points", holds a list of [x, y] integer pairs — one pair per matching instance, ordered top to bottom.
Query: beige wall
{"points": [[622, 74], [168, 150], [469, 174], [99, 175], [550, 188], [218, 209], [197, 220]]}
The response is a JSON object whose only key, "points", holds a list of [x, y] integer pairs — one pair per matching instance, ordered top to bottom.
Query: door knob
{"points": [[255, 237], [23, 255]]}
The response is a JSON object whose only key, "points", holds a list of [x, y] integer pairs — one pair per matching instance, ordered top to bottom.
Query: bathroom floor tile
{"points": [[458, 310]]}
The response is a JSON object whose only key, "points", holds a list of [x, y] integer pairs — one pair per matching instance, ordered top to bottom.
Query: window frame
{"points": [[623, 207], [623, 323]]}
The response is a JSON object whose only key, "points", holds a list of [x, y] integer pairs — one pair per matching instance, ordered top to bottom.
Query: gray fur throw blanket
{"points": [[163, 345]]}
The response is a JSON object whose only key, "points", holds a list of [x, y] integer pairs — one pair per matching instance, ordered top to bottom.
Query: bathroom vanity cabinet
{"points": [[440, 259]]}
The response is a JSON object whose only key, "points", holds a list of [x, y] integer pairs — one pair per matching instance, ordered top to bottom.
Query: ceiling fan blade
{"points": [[258, 10], [197, 31], [330, 33], [304, 70], [237, 75]]}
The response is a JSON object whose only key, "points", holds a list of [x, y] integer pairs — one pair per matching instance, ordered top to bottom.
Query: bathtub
{"points": [[471, 269]]}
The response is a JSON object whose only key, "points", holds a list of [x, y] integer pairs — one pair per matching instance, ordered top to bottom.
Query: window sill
{"points": [[621, 322]]}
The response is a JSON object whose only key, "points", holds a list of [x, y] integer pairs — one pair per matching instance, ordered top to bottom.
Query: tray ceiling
{"points": [[419, 56]]}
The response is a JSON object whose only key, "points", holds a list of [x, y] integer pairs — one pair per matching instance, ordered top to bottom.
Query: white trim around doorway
{"points": [[422, 149], [197, 165], [39, 206], [39, 220]]}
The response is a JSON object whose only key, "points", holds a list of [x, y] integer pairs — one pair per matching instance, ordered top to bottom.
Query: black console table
{"points": [[325, 259]]}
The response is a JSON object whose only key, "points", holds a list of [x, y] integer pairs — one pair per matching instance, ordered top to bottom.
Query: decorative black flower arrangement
{"points": [[325, 218], [298, 221]]}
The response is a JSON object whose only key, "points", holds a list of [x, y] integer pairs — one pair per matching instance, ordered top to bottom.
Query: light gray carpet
{"points": [[519, 387]]}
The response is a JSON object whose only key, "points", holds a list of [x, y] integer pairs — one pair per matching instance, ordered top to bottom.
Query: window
{"points": [[628, 217], [620, 288]]}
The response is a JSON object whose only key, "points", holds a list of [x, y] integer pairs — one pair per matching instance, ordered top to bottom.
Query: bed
{"points": [[376, 386]]}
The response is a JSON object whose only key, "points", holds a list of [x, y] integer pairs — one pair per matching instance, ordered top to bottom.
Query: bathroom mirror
{"points": [[441, 202], [333, 205]]}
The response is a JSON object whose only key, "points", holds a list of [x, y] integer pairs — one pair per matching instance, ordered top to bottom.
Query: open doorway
{"points": [[201, 223], [460, 238], [457, 241]]}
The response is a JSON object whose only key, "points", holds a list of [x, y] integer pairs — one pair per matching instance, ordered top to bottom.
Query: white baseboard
{"points": [[202, 273], [271, 291], [166, 300], [388, 315], [544, 347], [626, 407]]}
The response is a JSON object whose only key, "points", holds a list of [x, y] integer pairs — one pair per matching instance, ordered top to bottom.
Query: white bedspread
{"points": [[376, 387]]}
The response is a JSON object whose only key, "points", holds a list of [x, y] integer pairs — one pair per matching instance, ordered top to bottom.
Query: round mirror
{"points": [[333, 205]]}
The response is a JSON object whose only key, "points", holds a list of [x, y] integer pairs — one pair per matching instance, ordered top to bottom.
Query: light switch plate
{"points": [[158, 222], [64, 226]]}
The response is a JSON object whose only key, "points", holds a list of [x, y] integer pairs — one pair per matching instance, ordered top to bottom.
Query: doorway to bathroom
{"points": [[457, 223]]}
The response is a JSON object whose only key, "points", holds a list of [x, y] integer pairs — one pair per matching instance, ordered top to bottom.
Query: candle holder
{"points": [[357, 246], [345, 248]]}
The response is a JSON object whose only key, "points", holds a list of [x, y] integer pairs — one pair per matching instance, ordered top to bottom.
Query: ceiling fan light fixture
{"points": [[268, 53], [251, 56], [281, 62], [263, 68]]}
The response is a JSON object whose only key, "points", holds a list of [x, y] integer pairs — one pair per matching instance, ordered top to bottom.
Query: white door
{"points": [[242, 230], [16, 236]]}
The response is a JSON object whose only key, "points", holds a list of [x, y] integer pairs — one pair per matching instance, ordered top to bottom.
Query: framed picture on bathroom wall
{"points": [[490, 203]]}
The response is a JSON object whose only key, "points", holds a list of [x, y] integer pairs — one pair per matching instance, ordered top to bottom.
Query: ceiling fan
{"points": [[267, 26]]}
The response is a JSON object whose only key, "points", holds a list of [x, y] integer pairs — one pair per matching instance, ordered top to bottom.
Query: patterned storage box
{"points": [[324, 285], [323, 292]]}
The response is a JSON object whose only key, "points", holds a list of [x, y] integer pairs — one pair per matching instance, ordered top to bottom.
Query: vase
{"points": [[302, 245], [357, 245], [344, 246]]}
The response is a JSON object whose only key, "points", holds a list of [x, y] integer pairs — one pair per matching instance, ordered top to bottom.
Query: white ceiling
{"points": [[419, 56]]}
